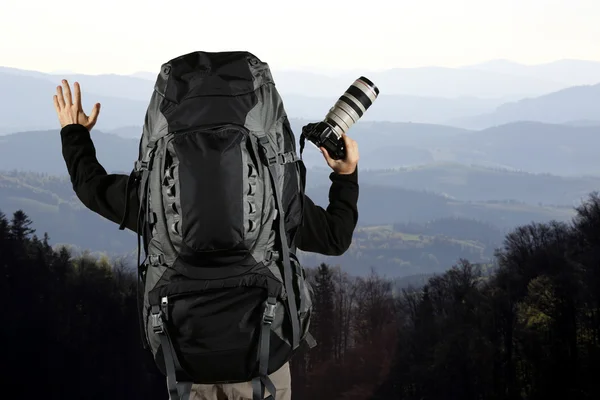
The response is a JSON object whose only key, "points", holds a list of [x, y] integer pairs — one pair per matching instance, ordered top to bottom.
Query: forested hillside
{"points": [[528, 329]]}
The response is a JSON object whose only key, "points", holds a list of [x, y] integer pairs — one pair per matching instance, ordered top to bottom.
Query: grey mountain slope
{"points": [[124, 101], [26, 104], [570, 104], [528, 146], [533, 147], [40, 151], [420, 157]]}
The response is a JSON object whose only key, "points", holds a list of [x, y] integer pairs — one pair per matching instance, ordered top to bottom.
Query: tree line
{"points": [[528, 330]]}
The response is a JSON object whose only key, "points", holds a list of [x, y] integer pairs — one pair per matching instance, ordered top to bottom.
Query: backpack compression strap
{"points": [[139, 178], [172, 365], [259, 383]]}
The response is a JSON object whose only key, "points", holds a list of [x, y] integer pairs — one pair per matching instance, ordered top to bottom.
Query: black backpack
{"points": [[221, 189]]}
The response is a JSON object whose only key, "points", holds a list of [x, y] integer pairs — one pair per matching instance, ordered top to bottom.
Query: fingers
{"points": [[60, 97], [77, 97], [68, 98], [56, 105], [94, 114], [348, 142], [351, 148], [326, 155]]}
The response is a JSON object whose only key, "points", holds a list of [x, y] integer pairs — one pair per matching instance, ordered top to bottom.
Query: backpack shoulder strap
{"points": [[270, 158]]}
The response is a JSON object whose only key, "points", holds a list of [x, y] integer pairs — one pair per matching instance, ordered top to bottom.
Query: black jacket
{"points": [[325, 231]]}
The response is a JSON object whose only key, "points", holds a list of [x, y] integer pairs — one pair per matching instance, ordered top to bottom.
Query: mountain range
{"points": [[471, 97], [573, 105], [497, 143], [532, 147], [526, 162]]}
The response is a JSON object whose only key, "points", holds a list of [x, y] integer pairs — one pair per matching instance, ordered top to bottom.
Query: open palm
{"points": [[70, 110]]}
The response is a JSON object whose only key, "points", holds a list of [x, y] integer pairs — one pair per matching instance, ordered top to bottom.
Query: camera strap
{"points": [[302, 141]]}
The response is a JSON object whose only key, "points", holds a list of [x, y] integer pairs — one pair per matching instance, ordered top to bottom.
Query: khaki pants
{"points": [[243, 391]]}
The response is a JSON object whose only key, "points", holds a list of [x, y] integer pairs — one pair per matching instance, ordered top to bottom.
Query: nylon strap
{"points": [[141, 168], [287, 265], [263, 381], [176, 390]]}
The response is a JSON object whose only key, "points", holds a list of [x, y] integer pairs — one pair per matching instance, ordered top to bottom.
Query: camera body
{"points": [[348, 109], [323, 135]]}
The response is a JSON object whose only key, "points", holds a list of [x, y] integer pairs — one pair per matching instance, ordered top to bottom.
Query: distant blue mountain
{"points": [[578, 103]]}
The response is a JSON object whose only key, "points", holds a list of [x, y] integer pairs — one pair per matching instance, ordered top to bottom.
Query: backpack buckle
{"points": [[266, 151], [289, 157], [140, 165], [272, 255], [156, 259], [269, 314], [157, 324]]}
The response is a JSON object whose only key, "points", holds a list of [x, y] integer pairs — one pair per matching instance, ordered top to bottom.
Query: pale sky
{"points": [[126, 36]]}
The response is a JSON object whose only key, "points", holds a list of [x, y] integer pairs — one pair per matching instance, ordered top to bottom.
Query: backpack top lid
{"points": [[211, 74], [208, 88]]}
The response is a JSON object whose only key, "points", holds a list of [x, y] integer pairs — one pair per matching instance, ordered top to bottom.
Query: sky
{"points": [[127, 36]]}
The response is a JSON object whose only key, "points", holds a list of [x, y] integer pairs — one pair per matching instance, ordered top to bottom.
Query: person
{"points": [[325, 231]]}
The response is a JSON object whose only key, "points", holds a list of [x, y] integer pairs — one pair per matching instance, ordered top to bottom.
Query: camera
{"points": [[345, 112]]}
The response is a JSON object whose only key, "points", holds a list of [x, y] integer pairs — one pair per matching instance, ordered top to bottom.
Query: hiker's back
{"points": [[225, 299]]}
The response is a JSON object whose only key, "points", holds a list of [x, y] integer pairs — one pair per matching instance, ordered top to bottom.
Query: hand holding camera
{"points": [[329, 135], [347, 164]]}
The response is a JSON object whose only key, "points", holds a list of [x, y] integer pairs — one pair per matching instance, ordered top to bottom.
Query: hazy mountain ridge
{"points": [[453, 96], [578, 103], [26, 104], [559, 149], [41, 151]]}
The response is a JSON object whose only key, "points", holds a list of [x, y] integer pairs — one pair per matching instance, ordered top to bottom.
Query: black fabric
{"points": [[208, 74], [207, 88], [208, 110], [132, 178], [211, 188], [293, 190], [326, 231], [257, 277], [213, 325], [170, 358]]}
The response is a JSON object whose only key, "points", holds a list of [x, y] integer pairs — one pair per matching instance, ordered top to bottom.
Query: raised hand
{"points": [[70, 111]]}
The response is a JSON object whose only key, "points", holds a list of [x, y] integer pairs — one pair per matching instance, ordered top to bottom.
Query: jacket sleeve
{"points": [[99, 191], [329, 231]]}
